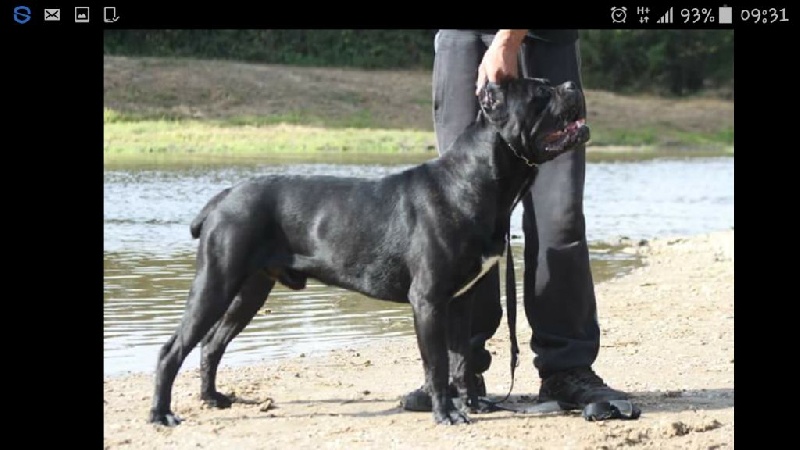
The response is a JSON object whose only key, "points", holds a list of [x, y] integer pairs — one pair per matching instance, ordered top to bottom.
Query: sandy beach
{"points": [[667, 338]]}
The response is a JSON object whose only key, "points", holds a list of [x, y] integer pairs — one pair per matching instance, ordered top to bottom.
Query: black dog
{"points": [[424, 235]]}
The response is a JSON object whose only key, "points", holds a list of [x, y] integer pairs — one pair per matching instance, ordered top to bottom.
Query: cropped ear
{"points": [[492, 100]]}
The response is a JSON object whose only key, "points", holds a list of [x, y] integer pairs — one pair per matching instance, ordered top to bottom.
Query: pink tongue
{"points": [[572, 126], [554, 136]]}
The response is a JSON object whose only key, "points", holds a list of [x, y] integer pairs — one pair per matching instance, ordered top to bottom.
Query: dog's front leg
{"points": [[430, 323], [458, 334]]}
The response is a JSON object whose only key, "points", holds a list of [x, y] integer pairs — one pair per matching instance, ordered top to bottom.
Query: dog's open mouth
{"points": [[575, 133]]}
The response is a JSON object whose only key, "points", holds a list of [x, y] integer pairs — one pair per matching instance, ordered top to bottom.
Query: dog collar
{"points": [[519, 155]]}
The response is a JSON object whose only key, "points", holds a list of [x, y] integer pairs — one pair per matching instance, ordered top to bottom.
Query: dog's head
{"points": [[537, 120]]}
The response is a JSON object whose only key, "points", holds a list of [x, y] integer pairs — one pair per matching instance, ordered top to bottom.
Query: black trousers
{"points": [[559, 293]]}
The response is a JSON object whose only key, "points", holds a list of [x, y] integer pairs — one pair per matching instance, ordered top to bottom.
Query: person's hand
{"points": [[500, 60]]}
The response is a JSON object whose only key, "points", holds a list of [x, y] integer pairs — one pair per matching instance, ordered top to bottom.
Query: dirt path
{"points": [[667, 338]]}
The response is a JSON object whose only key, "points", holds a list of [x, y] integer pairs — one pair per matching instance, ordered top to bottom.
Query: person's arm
{"points": [[500, 60]]}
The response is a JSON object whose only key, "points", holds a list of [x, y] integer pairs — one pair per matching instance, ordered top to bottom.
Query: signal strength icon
{"points": [[666, 18]]}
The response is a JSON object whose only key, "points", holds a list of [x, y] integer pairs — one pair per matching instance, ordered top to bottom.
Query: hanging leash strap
{"points": [[511, 313], [511, 316]]}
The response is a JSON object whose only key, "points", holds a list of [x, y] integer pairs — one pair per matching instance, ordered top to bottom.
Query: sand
{"points": [[667, 338]]}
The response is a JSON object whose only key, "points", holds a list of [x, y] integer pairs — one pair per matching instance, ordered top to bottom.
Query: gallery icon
{"points": [[22, 14], [52, 14], [81, 14]]}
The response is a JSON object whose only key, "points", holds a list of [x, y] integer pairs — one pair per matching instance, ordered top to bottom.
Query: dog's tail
{"points": [[197, 223]]}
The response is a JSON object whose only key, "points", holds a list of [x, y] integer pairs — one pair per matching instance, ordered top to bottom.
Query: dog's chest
{"points": [[487, 265]]}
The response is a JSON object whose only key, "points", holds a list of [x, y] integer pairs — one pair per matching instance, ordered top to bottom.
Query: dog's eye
{"points": [[542, 91]]}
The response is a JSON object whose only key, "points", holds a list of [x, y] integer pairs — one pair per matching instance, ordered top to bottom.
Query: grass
{"points": [[169, 106], [128, 136], [218, 137], [664, 137]]}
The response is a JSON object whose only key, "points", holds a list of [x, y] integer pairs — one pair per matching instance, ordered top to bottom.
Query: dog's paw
{"points": [[217, 400], [452, 417], [166, 418]]}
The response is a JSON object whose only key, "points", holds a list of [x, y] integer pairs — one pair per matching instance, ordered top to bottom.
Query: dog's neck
{"points": [[506, 165], [495, 170], [513, 171]]}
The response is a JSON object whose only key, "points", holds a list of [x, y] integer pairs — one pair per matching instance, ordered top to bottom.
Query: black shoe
{"points": [[582, 389], [420, 400]]}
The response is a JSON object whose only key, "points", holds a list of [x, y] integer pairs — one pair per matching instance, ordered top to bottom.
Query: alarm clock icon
{"points": [[618, 14]]}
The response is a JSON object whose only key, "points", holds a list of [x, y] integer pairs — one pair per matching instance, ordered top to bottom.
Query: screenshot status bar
{"points": [[593, 15]]}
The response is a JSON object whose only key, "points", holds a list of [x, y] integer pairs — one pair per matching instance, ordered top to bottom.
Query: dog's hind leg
{"points": [[213, 290], [251, 297]]}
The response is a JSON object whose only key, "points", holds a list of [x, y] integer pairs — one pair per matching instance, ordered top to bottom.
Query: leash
{"points": [[511, 313], [511, 316]]}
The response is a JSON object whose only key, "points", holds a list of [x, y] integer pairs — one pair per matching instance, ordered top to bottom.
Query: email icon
{"points": [[52, 14]]}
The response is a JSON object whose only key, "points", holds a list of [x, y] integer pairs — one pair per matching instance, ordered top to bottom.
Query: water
{"points": [[658, 198], [149, 255]]}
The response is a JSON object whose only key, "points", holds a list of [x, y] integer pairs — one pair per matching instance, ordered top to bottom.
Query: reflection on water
{"points": [[149, 255], [145, 297]]}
